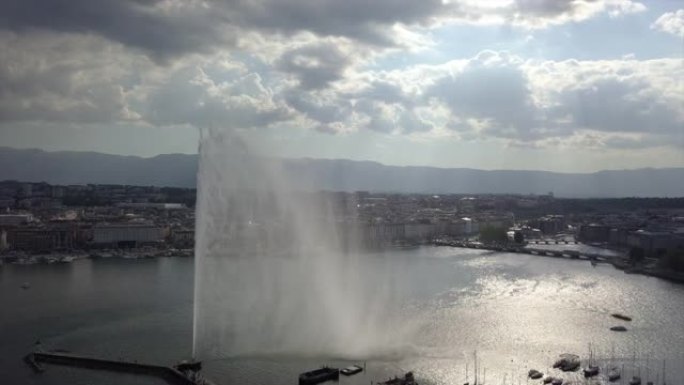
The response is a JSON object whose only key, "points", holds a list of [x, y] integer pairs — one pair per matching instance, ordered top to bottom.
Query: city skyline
{"points": [[569, 86]]}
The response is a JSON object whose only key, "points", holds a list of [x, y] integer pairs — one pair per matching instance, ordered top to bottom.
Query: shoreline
{"points": [[68, 257], [618, 262]]}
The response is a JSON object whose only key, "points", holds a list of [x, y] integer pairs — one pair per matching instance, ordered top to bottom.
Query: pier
{"points": [[171, 375]]}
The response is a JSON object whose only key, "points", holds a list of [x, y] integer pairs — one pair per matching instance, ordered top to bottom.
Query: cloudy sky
{"points": [[566, 85]]}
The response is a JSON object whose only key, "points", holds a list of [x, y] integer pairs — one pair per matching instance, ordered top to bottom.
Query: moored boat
{"points": [[621, 316], [618, 329], [567, 362], [35, 365], [351, 370], [591, 371], [535, 374], [613, 375], [317, 376], [407, 380], [635, 381]]}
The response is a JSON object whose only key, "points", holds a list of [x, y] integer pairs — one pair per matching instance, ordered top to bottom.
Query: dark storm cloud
{"points": [[546, 7], [360, 19], [140, 24], [167, 28], [315, 65], [497, 91], [615, 105], [317, 108]]}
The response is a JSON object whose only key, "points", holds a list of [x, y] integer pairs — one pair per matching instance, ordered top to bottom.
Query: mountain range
{"points": [[341, 175]]}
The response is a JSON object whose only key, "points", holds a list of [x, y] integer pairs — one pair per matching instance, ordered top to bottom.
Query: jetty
{"points": [[181, 374]]}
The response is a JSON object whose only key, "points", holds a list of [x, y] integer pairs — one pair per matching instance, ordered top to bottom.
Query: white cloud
{"points": [[624, 7], [671, 22], [291, 62], [68, 77], [85, 79], [321, 84], [495, 95], [191, 96]]}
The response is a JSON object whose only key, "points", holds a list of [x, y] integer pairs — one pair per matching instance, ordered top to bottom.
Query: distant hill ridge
{"points": [[341, 175]]}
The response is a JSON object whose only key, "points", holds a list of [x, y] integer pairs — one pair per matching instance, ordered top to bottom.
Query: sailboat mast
{"points": [[475, 367]]}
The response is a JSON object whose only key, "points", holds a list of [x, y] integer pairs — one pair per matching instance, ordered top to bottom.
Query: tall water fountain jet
{"points": [[277, 269]]}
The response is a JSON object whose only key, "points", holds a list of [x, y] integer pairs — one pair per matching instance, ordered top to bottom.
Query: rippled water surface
{"points": [[516, 311]]}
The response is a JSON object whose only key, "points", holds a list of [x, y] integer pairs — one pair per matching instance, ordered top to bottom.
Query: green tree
{"points": [[491, 234], [518, 237], [637, 254], [673, 259]]}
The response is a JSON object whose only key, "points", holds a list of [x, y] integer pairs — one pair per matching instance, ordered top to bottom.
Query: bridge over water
{"points": [[526, 249]]}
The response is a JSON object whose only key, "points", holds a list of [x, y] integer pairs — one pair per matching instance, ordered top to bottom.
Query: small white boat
{"points": [[351, 370]]}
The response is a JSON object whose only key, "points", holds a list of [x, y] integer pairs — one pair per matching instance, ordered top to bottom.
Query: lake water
{"points": [[517, 311]]}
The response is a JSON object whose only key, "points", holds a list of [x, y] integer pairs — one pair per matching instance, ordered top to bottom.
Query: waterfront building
{"points": [[148, 205], [15, 219], [549, 224], [419, 231], [594, 233], [127, 235], [183, 237], [40, 239], [655, 244]]}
